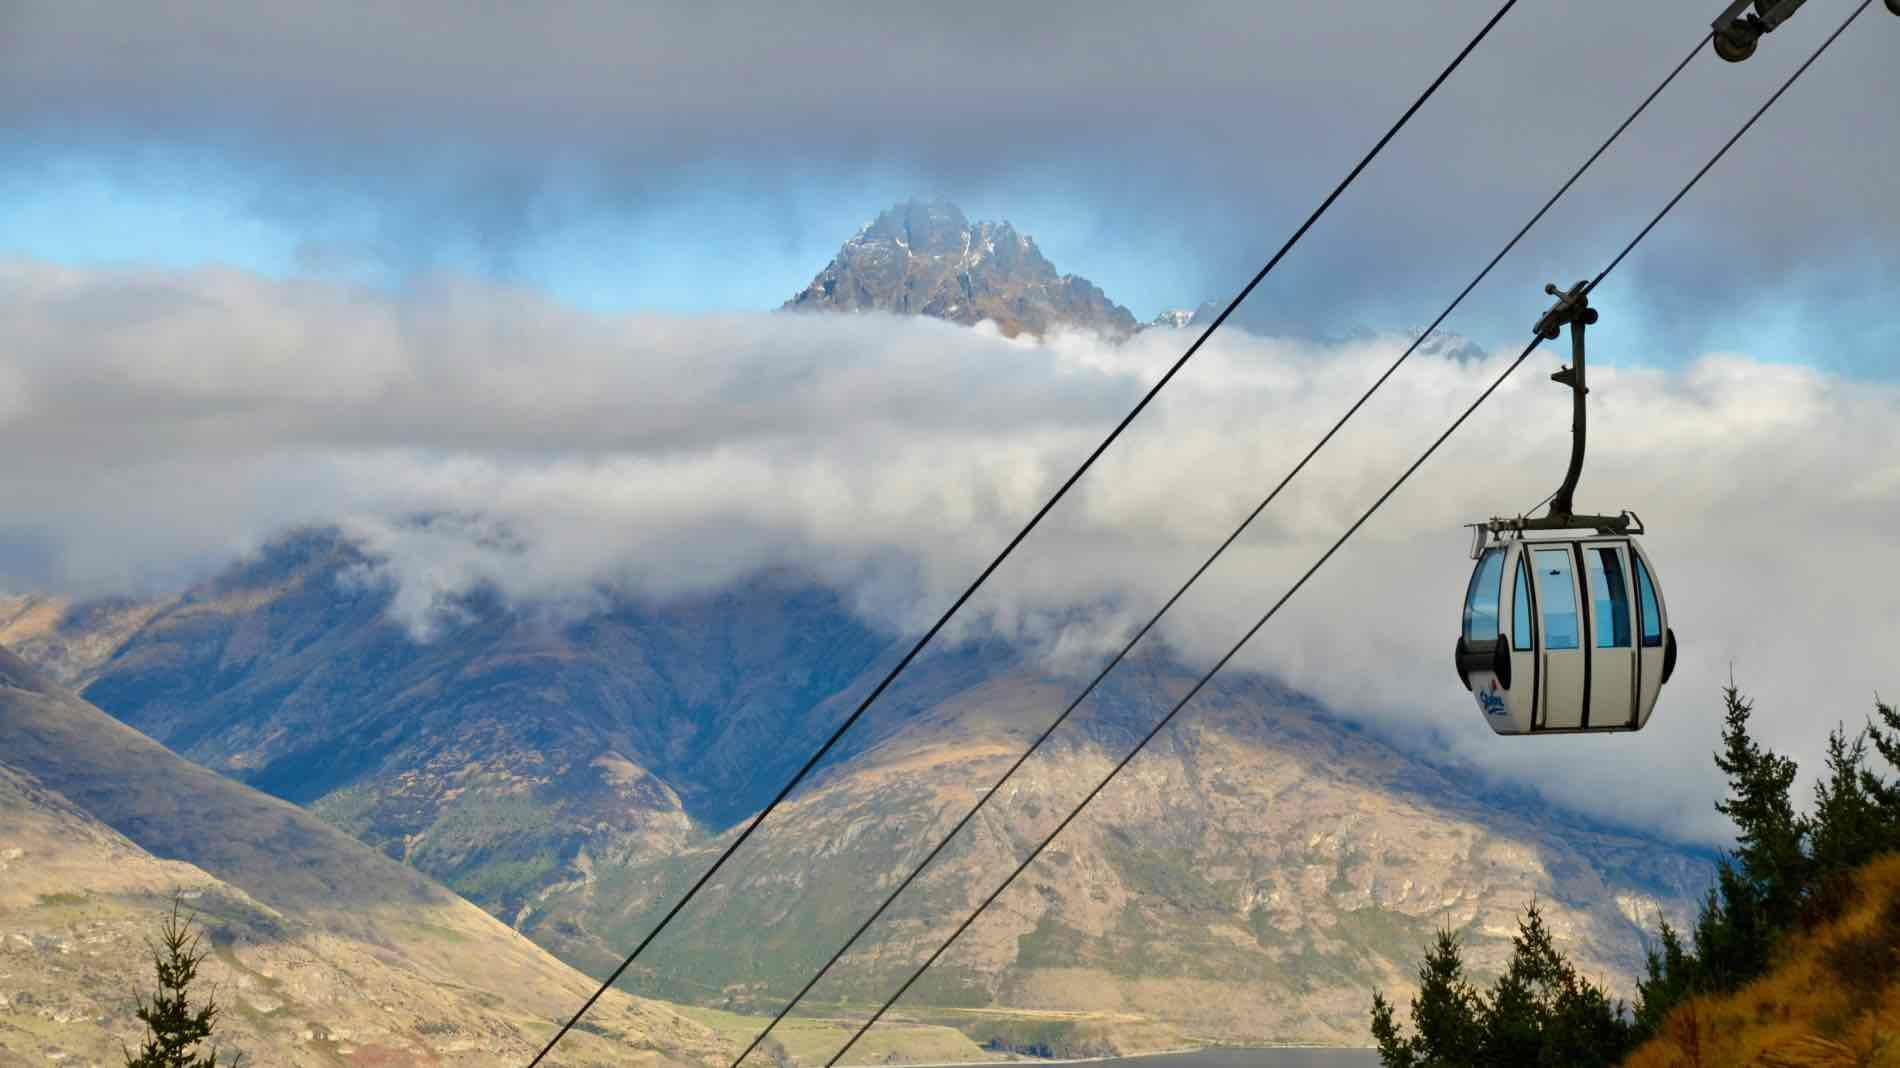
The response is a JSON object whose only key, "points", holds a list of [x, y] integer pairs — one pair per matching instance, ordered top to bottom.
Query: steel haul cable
{"points": [[1343, 538], [839, 732], [984, 798]]}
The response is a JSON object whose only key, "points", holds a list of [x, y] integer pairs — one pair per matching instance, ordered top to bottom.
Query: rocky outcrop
{"points": [[923, 258], [1181, 318]]}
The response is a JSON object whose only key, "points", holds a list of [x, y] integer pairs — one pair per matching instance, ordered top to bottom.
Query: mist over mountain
{"points": [[925, 258], [457, 462], [549, 631], [573, 776]]}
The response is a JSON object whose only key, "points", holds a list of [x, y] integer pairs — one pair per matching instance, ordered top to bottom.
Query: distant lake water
{"points": [[1254, 1058]]}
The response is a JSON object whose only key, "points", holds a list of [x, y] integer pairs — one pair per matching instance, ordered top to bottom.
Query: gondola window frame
{"points": [[1604, 565], [1523, 609]]}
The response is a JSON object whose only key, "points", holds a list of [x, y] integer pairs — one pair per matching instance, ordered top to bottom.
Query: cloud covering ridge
{"points": [[158, 423]]}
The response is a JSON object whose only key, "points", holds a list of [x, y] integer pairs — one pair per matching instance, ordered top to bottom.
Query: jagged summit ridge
{"points": [[927, 258], [1180, 318]]}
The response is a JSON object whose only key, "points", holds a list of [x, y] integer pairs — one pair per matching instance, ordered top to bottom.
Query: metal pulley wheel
{"points": [[1739, 43]]}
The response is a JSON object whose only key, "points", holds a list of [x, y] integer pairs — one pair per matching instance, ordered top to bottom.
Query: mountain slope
{"points": [[921, 258], [489, 756], [574, 779], [1249, 879], [333, 952]]}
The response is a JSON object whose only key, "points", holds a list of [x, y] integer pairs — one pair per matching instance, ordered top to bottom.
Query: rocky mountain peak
{"points": [[925, 227], [928, 258], [1179, 318]]}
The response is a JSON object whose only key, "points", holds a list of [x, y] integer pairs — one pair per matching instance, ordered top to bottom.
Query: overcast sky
{"points": [[687, 157], [267, 265]]}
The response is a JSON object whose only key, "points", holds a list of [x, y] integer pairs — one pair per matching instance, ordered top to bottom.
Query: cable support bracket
{"points": [[1572, 304]]}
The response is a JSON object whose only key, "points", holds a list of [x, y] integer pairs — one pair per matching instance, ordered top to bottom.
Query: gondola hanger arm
{"points": [[1574, 311]]}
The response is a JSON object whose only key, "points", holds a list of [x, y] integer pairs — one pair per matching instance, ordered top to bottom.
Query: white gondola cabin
{"points": [[1544, 651]]}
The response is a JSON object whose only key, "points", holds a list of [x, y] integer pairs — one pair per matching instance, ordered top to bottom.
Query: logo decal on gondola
{"points": [[1492, 704]]}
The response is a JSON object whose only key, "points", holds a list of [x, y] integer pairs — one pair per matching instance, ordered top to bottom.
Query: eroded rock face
{"points": [[924, 258]]}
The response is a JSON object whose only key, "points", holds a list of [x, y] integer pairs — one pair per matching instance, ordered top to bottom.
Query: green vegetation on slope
{"points": [[565, 777], [1713, 1001], [1831, 1001]]}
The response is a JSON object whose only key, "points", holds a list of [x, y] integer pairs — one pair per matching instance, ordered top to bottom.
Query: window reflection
{"points": [[1557, 584], [1609, 598], [1481, 600], [1646, 605], [1521, 608]]}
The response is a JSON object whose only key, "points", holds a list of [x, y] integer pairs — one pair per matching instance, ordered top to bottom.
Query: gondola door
{"points": [[1527, 675], [1613, 689], [1560, 692]]}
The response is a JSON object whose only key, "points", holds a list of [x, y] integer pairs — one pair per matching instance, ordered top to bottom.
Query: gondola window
{"points": [[1610, 598], [1560, 599], [1481, 600]]}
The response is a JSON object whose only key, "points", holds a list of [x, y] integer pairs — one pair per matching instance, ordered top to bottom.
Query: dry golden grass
{"points": [[26, 618], [1832, 1002]]}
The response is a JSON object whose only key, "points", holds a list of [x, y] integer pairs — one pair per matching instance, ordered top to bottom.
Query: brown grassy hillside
{"points": [[326, 952], [1834, 1000]]}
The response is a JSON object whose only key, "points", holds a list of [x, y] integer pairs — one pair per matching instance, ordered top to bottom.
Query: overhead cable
{"points": [[1035, 520], [1328, 554], [984, 798]]}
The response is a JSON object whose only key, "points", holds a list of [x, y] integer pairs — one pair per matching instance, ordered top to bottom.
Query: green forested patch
{"points": [[1790, 874]]}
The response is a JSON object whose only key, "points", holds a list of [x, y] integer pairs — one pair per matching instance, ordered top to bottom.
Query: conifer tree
{"points": [[1885, 736], [1848, 829], [1768, 831], [1669, 976], [1522, 997], [1446, 1009], [1541, 1012], [1445, 1015], [173, 1028], [1395, 1050]]}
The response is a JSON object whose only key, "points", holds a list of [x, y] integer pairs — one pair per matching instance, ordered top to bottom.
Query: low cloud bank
{"points": [[159, 424]]}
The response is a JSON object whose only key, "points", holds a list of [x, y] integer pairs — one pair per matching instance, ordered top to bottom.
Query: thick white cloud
{"points": [[157, 424]]}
